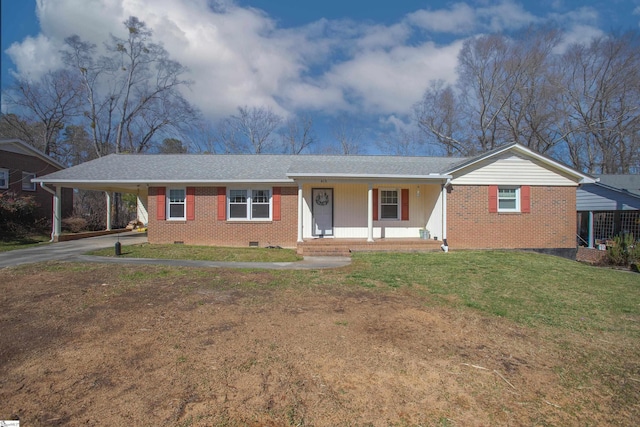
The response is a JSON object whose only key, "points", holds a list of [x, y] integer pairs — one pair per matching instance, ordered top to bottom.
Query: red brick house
{"points": [[20, 163], [511, 197]]}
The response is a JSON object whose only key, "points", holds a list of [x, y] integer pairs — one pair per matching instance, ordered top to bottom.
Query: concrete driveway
{"points": [[62, 251], [73, 251]]}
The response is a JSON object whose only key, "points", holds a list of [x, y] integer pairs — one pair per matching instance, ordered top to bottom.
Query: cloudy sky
{"points": [[369, 60]]}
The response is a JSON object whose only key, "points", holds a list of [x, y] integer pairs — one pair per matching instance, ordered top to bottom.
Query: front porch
{"points": [[344, 247]]}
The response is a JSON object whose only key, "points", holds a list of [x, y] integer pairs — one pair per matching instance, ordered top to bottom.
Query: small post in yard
{"points": [[118, 247]]}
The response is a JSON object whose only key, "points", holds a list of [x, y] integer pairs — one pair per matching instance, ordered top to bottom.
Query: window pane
{"points": [[3, 179], [26, 181], [507, 193], [176, 196], [238, 196], [260, 196], [388, 196], [507, 204], [176, 210], [238, 210], [260, 211], [389, 211]]}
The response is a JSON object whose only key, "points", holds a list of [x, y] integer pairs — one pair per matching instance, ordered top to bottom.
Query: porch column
{"points": [[108, 194], [300, 210], [444, 211], [370, 213], [57, 214], [590, 232]]}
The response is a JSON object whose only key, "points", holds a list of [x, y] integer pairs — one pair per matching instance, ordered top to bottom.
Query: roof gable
{"points": [[519, 151]]}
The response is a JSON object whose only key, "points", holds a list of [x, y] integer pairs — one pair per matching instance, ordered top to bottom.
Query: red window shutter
{"points": [[277, 194], [493, 198], [525, 199], [191, 203], [222, 203], [375, 204], [405, 204], [161, 208]]}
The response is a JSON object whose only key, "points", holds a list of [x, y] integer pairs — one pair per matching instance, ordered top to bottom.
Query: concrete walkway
{"points": [[73, 251]]}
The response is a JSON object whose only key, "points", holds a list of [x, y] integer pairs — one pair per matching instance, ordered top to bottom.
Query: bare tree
{"points": [[132, 94], [601, 95], [51, 101], [98, 108], [438, 116], [13, 126], [250, 131], [297, 134], [347, 136]]}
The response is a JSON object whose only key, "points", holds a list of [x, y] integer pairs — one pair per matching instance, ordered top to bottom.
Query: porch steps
{"points": [[344, 247]]}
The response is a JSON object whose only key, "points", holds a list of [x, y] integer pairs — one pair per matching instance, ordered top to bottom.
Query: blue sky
{"points": [[369, 60]]}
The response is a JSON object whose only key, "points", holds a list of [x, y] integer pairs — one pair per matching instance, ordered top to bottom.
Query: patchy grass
{"points": [[22, 243], [203, 253], [531, 289], [459, 338]]}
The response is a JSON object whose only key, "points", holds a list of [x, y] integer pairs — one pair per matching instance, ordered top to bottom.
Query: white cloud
{"points": [[459, 19], [34, 56], [239, 56], [387, 81]]}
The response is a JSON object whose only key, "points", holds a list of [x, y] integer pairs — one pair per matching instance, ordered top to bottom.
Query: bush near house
{"points": [[18, 216], [625, 250]]}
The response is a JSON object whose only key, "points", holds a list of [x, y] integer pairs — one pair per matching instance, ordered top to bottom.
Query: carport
{"points": [[54, 183]]}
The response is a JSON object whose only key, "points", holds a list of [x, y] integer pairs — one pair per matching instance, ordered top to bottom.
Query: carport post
{"points": [[108, 194], [57, 213]]}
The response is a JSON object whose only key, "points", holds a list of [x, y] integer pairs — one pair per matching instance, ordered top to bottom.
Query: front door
{"points": [[322, 211]]}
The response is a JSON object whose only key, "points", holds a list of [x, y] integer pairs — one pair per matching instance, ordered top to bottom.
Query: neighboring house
{"points": [[20, 163], [511, 197], [607, 208]]}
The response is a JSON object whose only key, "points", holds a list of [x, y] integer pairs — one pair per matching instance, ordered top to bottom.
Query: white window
{"points": [[4, 178], [27, 185], [508, 199], [176, 204], [249, 204], [389, 204]]}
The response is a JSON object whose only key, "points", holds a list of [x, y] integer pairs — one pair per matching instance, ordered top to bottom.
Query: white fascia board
{"points": [[366, 176]]}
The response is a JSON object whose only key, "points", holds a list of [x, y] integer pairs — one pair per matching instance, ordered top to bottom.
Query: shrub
{"points": [[17, 215], [74, 224], [624, 251]]}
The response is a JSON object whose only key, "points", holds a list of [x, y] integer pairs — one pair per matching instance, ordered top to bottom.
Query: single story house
{"points": [[20, 163], [511, 197], [607, 208]]}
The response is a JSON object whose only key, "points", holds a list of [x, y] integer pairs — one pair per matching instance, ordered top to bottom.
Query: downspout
{"points": [[55, 227]]}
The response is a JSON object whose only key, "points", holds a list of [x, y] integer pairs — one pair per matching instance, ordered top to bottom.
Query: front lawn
{"points": [[203, 253], [459, 338]]}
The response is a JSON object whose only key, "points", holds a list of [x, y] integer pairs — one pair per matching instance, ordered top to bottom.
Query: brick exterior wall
{"points": [[18, 163], [550, 224], [206, 229], [591, 256]]}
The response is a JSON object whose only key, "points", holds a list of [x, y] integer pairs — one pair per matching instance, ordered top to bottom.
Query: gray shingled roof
{"points": [[203, 168], [630, 183]]}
